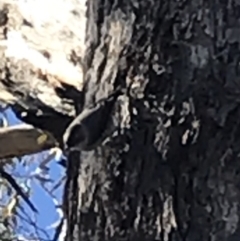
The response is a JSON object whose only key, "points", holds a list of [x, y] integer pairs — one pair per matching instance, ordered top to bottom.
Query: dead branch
{"points": [[22, 140]]}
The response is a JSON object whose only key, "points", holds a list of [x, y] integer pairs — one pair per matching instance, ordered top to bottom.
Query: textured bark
{"points": [[41, 49], [171, 169]]}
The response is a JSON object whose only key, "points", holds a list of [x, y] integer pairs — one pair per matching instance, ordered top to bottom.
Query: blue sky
{"points": [[40, 198]]}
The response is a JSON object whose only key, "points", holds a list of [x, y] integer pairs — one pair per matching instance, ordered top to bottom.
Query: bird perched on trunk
{"points": [[87, 129]]}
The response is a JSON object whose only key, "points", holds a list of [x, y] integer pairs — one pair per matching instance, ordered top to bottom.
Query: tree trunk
{"points": [[170, 169]]}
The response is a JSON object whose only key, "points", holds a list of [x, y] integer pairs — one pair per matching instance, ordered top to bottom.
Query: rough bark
{"points": [[41, 49], [171, 169]]}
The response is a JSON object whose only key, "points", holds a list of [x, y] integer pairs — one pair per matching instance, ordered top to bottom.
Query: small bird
{"points": [[87, 129]]}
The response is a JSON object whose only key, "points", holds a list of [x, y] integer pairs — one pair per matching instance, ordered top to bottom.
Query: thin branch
{"points": [[22, 140]]}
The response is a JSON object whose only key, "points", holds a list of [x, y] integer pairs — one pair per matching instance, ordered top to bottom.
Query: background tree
{"points": [[169, 169]]}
